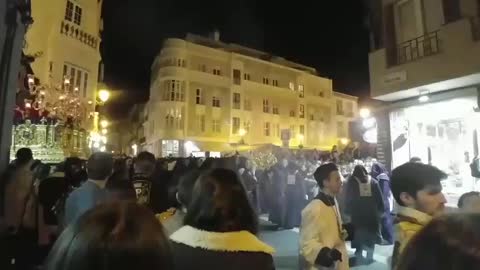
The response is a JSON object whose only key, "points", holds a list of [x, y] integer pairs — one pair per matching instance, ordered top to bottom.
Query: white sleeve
{"points": [[314, 233]]}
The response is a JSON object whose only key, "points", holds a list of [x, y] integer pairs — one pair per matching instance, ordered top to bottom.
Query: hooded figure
{"points": [[380, 173], [364, 204]]}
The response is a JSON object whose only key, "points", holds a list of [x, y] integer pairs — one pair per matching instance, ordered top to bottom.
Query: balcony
{"points": [[74, 31], [417, 48], [437, 61]]}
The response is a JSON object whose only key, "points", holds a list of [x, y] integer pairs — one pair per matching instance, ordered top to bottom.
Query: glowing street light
{"points": [[103, 95], [423, 98], [365, 113], [104, 123], [104, 131], [242, 132], [301, 137], [344, 141]]}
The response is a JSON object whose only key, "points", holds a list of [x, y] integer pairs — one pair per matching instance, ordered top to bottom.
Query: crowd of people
{"points": [[193, 213]]}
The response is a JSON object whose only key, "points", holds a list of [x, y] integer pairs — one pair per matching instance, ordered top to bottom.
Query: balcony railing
{"points": [[74, 31], [418, 48]]}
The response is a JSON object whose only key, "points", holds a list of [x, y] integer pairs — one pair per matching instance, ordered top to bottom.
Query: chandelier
{"points": [[57, 101]]}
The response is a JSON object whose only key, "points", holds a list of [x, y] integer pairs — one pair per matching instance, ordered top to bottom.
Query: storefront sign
{"points": [[394, 78]]}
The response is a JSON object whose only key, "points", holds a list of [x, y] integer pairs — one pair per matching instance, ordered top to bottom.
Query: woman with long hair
{"points": [[219, 228], [117, 236], [450, 242]]}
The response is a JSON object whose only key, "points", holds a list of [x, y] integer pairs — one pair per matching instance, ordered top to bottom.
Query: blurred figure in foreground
{"points": [[417, 189], [90, 193], [470, 202], [172, 219], [220, 228], [118, 236], [450, 242]]}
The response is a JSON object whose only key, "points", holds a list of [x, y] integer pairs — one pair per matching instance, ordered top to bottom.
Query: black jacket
{"points": [[197, 249]]}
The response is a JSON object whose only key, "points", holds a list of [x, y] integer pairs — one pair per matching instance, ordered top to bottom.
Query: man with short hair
{"points": [[144, 167], [417, 189], [90, 193], [322, 237]]}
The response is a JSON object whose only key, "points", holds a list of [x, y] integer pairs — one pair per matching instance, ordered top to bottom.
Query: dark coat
{"points": [[279, 187], [365, 212], [197, 249]]}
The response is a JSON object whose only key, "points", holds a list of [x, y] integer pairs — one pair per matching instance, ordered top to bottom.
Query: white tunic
{"points": [[321, 227]]}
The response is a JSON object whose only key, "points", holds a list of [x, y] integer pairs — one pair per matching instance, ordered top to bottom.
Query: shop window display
{"points": [[441, 134]]}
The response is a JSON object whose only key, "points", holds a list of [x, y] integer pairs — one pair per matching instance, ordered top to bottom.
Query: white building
{"points": [[426, 65]]}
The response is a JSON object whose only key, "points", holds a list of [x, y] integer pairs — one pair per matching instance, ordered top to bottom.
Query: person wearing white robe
{"points": [[322, 237]]}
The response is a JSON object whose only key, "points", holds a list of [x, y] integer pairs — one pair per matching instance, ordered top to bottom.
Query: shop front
{"points": [[442, 133]]}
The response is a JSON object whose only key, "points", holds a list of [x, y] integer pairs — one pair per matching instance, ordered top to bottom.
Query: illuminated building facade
{"points": [[66, 37], [425, 66], [206, 95]]}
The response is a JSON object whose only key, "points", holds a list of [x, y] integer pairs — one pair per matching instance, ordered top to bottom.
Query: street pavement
{"points": [[286, 245]]}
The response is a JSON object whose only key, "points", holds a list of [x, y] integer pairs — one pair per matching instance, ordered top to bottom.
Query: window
{"points": [[69, 11], [77, 19], [181, 63], [50, 66], [202, 68], [65, 71], [216, 71], [237, 75], [72, 77], [246, 77], [265, 80], [78, 81], [275, 82], [85, 84], [291, 85], [174, 91], [301, 91], [320, 93], [198, 96], [236, 101], [216, 102], [247, 105], [266, 106], [339, 107], [275, 109], [349, 109], [292, 113], [301, 114], [312, 117], [169, 121], [201, 122], [235, 125], [216, 126], [246, 126], [267, 129], [277, 130], [302, 130], [292, 131], [341, 132]]}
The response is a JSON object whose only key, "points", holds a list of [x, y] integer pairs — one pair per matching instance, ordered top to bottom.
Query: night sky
{"points": [[330, 36]]}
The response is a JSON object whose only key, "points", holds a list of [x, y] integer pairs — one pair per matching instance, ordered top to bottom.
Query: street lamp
{"points": [[103, 95], [365, 113], [104, 124], [242, 132], [344, 141]]}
